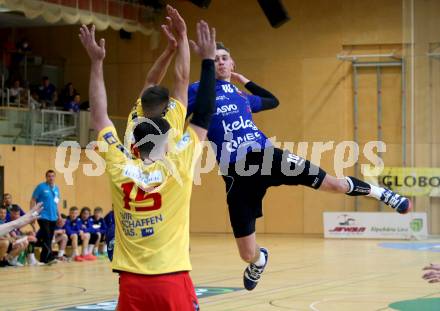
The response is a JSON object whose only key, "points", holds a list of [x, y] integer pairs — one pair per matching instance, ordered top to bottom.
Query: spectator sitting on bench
{"points": [[7, 203], [3, 214], [87, 226], [101, 228], [75, 235], [60, 237], [31, 238], [4, 241], [14, 247]]}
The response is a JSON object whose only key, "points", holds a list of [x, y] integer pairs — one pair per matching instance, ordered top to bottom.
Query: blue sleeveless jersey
{"points": [[232, 128]]}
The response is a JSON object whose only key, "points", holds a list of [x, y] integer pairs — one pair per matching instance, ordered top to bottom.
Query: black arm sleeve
{"points": [[268, 100], [204, 105]]}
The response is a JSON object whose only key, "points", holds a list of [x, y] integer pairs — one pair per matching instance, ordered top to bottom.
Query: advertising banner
{"points": [[408, 181], [372, 225]]}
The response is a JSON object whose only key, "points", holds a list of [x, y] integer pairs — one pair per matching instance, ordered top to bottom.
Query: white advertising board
{"points": [[371, 225]]}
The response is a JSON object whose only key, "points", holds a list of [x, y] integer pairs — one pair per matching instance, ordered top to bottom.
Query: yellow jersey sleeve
{"points": [[176, 115], [129, 137], [188, 150], [116, 155]]}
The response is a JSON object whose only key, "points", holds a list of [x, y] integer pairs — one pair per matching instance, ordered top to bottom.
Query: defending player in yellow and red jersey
{"points": [[151, 195]]}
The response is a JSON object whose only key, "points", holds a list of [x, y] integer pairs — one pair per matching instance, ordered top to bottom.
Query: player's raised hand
{"points": [[177, 22], [168, 31], [206, 45], [96, 52], [238, 78], [32, 215]]}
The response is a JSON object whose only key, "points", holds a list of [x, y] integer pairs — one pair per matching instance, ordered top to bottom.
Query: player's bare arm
{"points": [[182, 62], [157, 72], [97, 92], [27, 218]]}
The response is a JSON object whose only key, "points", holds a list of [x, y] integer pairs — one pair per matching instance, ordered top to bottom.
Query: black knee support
{"points": [[357, 187]]}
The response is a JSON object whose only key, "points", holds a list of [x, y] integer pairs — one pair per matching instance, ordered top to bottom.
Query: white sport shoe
{"points": [[401, 204], [32, 261], [14, 262], [253, 273]]}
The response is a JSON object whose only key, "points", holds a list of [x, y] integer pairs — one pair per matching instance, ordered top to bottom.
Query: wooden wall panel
{"points": [[297, 62]]}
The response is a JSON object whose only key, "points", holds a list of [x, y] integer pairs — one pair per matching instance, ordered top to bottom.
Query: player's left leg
{"points": [[290, 169], [355, 187], [244, 198], [248, 248], [255, 256]]}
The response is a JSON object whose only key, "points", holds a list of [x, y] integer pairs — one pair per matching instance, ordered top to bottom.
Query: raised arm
{"points": [[182, 62], [157, 72], [97, 93], [267, 99], [204, 105], [33, 202], [27, 218]]}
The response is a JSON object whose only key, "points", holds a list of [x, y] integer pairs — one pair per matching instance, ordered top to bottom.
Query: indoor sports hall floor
{"points": [[303, 274]]}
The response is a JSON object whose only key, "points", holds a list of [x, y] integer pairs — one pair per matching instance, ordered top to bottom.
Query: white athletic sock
{"points": [[376, 192], [104, 248], [90, 249], [84, 251], [75, 252], [61, 253], [31, 257], [261, 261]]}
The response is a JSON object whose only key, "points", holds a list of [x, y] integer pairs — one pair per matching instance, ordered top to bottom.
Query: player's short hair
{"points": [[221, 46], [153, 97], [152, 126], [50, 171], [5, 195], [2, 207], [15, 208], [73, 208], [85, 208], [98, 209], [63, 216]]}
